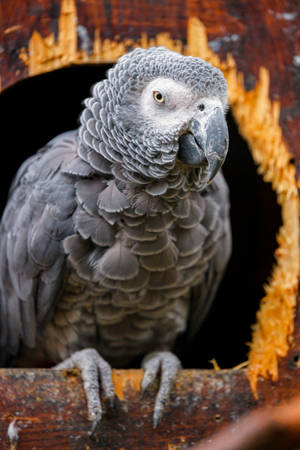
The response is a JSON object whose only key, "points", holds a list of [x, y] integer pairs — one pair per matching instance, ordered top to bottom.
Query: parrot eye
{"points": [[158, 97], [201, 107]]}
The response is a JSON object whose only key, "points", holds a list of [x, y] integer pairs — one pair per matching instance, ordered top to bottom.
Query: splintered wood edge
{"points": [[258, 122]]}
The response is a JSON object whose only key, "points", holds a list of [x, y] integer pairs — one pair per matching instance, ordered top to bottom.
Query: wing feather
{"points": [[38, 217]]}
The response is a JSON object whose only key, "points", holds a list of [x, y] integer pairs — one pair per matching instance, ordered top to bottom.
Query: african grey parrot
{"points": [[115, 236]]}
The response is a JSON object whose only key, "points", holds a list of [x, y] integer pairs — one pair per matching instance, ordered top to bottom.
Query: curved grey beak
{"points": [[205, 144]]}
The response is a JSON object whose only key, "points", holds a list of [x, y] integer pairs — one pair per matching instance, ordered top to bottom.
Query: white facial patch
{"points": [[178, 104]]}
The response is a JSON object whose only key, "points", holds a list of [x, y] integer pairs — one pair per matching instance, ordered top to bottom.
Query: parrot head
{"points": [[165, 110], [195, 123]]}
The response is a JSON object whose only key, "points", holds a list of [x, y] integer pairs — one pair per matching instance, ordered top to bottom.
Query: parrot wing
{"points": [[37, 218]]}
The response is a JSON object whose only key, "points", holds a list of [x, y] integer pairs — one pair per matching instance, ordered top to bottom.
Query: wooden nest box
{"points": [[254, 46]]}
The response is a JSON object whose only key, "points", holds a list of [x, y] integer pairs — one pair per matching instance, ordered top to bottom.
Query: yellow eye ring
{"points": [[158, 97]]}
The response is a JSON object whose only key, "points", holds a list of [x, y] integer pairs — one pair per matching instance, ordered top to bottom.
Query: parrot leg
{"points": [[167, 364], [91, 365]]}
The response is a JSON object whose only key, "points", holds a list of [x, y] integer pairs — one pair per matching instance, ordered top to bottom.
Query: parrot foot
{"points": [[91, 365], [168, 365]]}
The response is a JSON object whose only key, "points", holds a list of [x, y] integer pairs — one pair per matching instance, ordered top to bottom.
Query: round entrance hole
{"points": [[39, 108]]}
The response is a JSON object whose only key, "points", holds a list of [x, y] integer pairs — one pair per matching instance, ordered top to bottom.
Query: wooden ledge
{"points": [[47, 409]]}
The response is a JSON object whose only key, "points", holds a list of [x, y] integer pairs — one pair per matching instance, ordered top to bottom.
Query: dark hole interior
{"points": [[37, 109]]}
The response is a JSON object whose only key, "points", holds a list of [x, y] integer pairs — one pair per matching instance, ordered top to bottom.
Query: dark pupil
{"points": [[158, 96], [201, 107]]}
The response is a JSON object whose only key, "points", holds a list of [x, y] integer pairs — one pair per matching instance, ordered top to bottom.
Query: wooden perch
{"points": [[42, 408]]}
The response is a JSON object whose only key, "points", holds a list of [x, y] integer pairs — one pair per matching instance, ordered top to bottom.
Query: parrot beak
{"points": [[205, 144]]}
